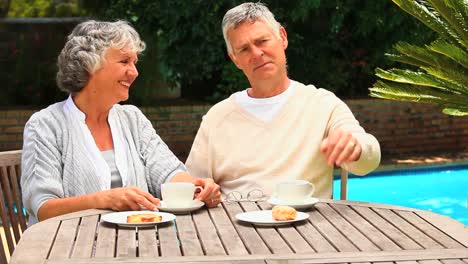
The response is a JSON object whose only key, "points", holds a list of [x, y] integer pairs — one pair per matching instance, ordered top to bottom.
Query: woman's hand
{"points": [[211, 193], [127, 198]]}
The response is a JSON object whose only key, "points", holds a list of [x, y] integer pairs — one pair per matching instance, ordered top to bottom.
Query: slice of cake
{"points": [[283, 213], [143, 218]]}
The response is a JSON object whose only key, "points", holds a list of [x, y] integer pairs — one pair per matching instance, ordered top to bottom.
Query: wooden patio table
{"points": [[336, 232]]}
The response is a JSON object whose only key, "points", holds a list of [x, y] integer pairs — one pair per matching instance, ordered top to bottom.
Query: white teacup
{"points": [[294, 191], [178, 194]]}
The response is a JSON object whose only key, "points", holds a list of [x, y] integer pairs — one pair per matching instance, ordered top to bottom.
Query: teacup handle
{"points": [[197, 187], [312, 189]]}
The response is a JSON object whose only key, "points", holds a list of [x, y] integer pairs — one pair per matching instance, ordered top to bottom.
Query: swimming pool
{"points": [[442, 189]]}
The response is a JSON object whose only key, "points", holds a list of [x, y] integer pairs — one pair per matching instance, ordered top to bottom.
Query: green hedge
{"points": [[335, 44]]}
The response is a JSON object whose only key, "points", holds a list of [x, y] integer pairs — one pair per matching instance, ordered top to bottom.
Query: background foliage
{"points": [[45, 8], [335, 44], [442, 66]]}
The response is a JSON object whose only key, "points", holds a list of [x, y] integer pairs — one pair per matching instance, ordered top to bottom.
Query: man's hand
{"points": [[339, 147], [211, 193], [126, 198]]}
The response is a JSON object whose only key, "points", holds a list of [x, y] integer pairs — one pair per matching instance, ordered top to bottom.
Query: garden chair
{"points": [[12, 215]]}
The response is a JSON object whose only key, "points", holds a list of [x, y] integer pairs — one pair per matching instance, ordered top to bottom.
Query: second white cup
{"points": [[294, 191], [178, 194]]}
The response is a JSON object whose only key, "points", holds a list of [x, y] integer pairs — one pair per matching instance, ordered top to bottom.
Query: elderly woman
{"points": [[88, 151]]}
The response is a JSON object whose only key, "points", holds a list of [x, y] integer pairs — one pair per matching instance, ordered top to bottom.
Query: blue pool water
{"points": [[443, 189]]}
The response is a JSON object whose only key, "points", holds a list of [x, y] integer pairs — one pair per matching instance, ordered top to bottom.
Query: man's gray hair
{"points": [[248, 12], [86, 47]]}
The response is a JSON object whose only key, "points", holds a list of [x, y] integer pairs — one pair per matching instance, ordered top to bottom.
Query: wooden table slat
{"points": [[346, 228], [366, 228], [386, 228], [430, 230], [329, 231], [208, 234], [228, 234], [415, 234], [269, 235], [291, 235], [188, 236], [85, 238], [251, 239], [315, 239], [168, 240], [36, 241], [105, 241], [126, 242], [147, 242], [63, 244], [378, 256], [431, 261], [453, 261]]}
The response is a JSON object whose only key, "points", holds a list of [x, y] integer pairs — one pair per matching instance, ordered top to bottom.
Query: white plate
{"points": [[308, 202], [196, 204], [120, 218], [264, 218]]}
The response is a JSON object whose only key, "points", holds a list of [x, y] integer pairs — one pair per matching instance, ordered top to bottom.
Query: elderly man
{"points": [[278, 129]]}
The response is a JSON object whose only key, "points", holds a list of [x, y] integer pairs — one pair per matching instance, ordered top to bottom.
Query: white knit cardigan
{"points": [[57, 164]]}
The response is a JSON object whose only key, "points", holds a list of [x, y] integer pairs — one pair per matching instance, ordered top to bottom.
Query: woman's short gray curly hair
{"points": [[248, 12], [85, 49]]}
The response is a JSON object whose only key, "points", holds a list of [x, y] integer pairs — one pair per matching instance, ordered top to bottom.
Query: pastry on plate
{"points": [[283, 213], [143, 218]]}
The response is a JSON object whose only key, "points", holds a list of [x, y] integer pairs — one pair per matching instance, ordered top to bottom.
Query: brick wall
{"points": [[401, 128], [411, 128]]}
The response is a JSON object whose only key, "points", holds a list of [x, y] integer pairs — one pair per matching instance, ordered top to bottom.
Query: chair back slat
{"points": [[16, 188], [7, 191], [5, 220], [14, 221], [3, 257]]}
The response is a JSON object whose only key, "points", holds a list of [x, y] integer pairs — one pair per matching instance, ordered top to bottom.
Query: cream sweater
{"points": [[242, 153]]}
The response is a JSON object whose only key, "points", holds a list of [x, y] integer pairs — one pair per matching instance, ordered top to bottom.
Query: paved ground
{"points": [[409, 161]]}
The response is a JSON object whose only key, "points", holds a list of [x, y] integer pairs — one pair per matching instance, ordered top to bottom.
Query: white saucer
{"points": [[308, 202], [196, 204], [120, 218], [265, 218]]}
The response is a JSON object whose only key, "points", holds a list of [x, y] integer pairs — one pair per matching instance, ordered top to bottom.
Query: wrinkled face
{"points": [[258, 52], [113, 80]]}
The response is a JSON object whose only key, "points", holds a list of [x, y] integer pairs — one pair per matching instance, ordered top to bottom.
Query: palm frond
{"points": [[460, 6], [452, 16], [430, 19], [453, 52], [427, 56], [406, 59], [442, 65], [419, 78], [460, 79], [415, 93], [455, 111]]}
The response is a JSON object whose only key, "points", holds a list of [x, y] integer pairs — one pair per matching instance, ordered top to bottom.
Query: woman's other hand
{"points": [[211, 193], [127, 198]]}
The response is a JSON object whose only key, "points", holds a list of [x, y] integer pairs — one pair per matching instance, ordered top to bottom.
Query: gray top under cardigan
{"points": [[56, 163]]}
